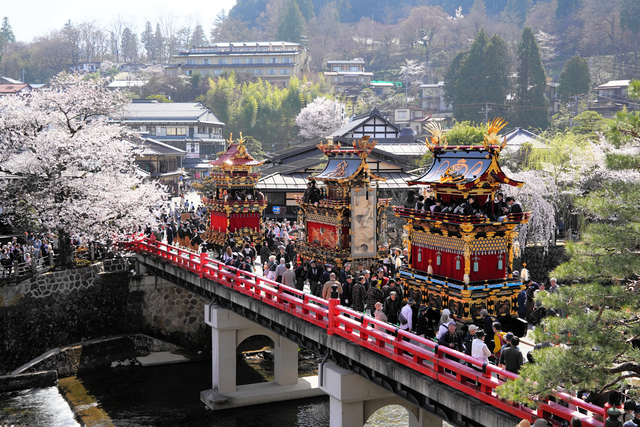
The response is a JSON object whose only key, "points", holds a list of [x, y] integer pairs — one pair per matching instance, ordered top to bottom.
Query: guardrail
{"points": [[458, 219], [442, 364]]}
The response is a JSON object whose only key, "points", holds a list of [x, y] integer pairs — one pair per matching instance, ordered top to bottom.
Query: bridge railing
{"points": [[441, 363]]}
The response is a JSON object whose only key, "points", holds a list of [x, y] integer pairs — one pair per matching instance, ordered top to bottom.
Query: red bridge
{"points": [[369, 342]]}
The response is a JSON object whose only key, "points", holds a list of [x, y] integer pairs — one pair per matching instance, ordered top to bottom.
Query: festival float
{"points": [[233, 203], [342, 223], [463, 263]]}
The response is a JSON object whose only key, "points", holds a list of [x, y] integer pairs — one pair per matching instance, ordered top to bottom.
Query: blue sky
{"points": [[44, 15]]}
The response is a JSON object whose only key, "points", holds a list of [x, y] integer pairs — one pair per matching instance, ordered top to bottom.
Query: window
{"points": [[236, 60], [259, 60], [273, 60], [286, 60], [222, 61], [248, 61], [190, 62], [206, 62], [337, 68], [354, 68], [272, 71], [285, 71], [172, 72], [188, 72], [204, 72], [217, 72], [257, 72], [336, 79], [351, 80], [402, 114], [151, 130], [174, 131], [277, 198]]}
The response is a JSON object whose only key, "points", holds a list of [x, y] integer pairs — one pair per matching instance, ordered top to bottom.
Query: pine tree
{"points": [[292, 25], [6, 33], [198, 37], [146, 38], [158, 41], [129, 45], [574, 78], [481, 79], [532, 106], [595, 337]]}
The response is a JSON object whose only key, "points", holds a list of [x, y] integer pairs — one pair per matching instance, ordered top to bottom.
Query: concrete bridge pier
{"points": [[228, 330], [354, 399]]}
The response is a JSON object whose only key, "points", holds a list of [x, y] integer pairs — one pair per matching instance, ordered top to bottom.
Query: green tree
{"points": [[566, 7], [292, 24], [6, 33], [198, 37], [148, 41], [129, 45], [574, 78], [482, 79], [634, 89], [532, 105], [261, 109], [588, 124], [466, 133], [594, 339]]}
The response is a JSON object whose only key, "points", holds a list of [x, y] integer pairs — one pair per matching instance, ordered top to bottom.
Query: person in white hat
{"points": [[445, 319]]}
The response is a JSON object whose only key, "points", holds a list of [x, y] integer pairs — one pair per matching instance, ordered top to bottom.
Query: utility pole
{"points": [[485, 110]]}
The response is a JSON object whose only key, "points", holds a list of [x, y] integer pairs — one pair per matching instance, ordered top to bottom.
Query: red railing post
{"points": [[204, 259], [333, 309]]}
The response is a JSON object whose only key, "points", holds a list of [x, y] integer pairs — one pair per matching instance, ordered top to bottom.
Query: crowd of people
{"points": [[496, 211], [25, 251]]}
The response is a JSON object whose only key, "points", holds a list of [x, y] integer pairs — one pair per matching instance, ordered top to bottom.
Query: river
{"points": [[168, 396]]}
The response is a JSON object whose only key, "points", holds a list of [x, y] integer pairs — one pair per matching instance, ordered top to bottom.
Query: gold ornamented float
{"points": [[234, 205], [341, 223], [460, 262]]}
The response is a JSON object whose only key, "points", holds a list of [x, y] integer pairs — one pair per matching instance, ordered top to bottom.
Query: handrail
{"points": [[457, 218], [442, 364]]}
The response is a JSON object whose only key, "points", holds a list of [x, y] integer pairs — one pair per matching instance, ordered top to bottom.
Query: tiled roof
{"points": [[167, 111]]}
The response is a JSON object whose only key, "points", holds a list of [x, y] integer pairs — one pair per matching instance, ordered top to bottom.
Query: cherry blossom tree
{"points": [[320, 118], [70, 169]]}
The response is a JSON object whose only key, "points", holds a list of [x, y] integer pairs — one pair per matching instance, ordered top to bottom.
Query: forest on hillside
{"points": [[384, 33]]}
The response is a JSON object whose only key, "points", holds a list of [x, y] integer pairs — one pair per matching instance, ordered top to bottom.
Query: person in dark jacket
{"points": [[169, 233], [265, 252], [314, 274], [301, 275], [359, 295], [374, 295], [346, 298], [392, 306], [424, 328], [488, 328]]}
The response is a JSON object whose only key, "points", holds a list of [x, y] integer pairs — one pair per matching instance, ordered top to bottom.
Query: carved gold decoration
{"points": [[493, 127], [438, 137], [362, 145], [467, 228]]}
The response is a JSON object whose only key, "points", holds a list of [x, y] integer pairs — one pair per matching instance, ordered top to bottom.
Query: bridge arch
{"points": [[372, 406]]}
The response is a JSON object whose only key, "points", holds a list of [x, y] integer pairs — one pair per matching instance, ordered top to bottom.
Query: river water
{"points": [[168, 395]]}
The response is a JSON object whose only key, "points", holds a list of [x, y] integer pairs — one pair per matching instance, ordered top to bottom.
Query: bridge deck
{"points": [[422, 356]]}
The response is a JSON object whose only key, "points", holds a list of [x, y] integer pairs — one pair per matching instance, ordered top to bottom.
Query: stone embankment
{"points": [[51, 310]]}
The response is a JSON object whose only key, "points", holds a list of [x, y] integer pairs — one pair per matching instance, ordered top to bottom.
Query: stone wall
{"points": [[540, 264], [63, 307], [170, 312]]}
